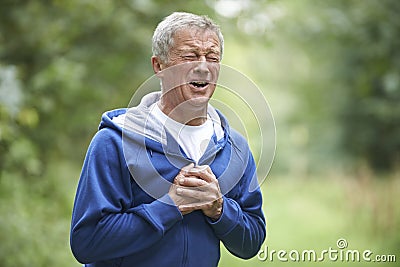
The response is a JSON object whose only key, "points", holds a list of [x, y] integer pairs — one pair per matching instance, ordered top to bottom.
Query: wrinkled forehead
{"points": [[196, 35]]}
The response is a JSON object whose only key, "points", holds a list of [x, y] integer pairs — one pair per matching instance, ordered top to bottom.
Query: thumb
{"points": [[187, 168]]}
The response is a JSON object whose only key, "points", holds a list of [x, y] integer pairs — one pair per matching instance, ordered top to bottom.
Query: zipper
{"points": [[210, 153], [185, 244]]}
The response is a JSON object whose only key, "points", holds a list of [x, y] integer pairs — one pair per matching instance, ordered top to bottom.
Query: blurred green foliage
{"points": [[356, 44], [338, 65], [329, 69]]}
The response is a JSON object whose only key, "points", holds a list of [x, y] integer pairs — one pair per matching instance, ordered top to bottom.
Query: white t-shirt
{"points": [[192, 139]]}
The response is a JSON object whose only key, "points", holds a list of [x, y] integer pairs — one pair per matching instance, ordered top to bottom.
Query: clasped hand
{"points": [[197, 188]]}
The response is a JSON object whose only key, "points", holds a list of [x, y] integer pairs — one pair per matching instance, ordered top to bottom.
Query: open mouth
{"points": [[199, 84]]}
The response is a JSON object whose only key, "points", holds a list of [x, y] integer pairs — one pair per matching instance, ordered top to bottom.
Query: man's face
{"points": [[191, 73]]}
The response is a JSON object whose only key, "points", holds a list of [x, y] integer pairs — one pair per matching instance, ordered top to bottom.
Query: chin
{"points": [[198, 101]]}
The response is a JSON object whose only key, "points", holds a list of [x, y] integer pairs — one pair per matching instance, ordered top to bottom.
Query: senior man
{"points": [[124, 214]]}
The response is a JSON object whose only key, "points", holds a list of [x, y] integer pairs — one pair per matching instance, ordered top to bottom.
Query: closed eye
{"points": [[190, 57], [213, 59]]}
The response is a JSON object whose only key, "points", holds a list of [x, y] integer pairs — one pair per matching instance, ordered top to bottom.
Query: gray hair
{"points": [[164, 33]]}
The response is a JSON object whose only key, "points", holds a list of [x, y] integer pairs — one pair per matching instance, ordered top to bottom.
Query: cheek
{"points": [[175, 76]]}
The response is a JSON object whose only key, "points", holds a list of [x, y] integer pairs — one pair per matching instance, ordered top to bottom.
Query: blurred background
{"points": [[330, 71]]}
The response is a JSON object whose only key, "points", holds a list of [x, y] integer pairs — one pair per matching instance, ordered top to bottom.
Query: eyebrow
{"points": [[193, 50]]}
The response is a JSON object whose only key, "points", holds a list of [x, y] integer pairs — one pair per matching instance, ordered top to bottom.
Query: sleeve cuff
{"points": [[228, 219]]}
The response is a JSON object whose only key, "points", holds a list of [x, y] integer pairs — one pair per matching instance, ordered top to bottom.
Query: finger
{"points": [[186, 168], [205, 168], [208, 169], [203, 172], [178, 178], [191, 181], [193, 192], [203, 205], [191, 207], [187, 208]]}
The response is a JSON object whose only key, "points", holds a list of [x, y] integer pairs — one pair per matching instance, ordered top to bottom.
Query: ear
{"points": [[156, 63]]}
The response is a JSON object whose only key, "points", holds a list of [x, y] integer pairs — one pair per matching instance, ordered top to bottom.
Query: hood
{"points": [[139, 120]]}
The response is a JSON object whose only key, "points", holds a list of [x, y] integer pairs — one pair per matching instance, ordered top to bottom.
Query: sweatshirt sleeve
{"points": [[104, 224], [242, 227]]}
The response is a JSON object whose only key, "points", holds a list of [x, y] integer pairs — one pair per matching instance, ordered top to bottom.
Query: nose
{"points": [[201, 66]]}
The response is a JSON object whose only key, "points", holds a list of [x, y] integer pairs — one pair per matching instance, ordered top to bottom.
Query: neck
{"points": [[185, 113]]}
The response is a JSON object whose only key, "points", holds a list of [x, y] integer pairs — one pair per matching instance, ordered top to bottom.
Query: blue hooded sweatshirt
{"points": [[123, 215]]}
